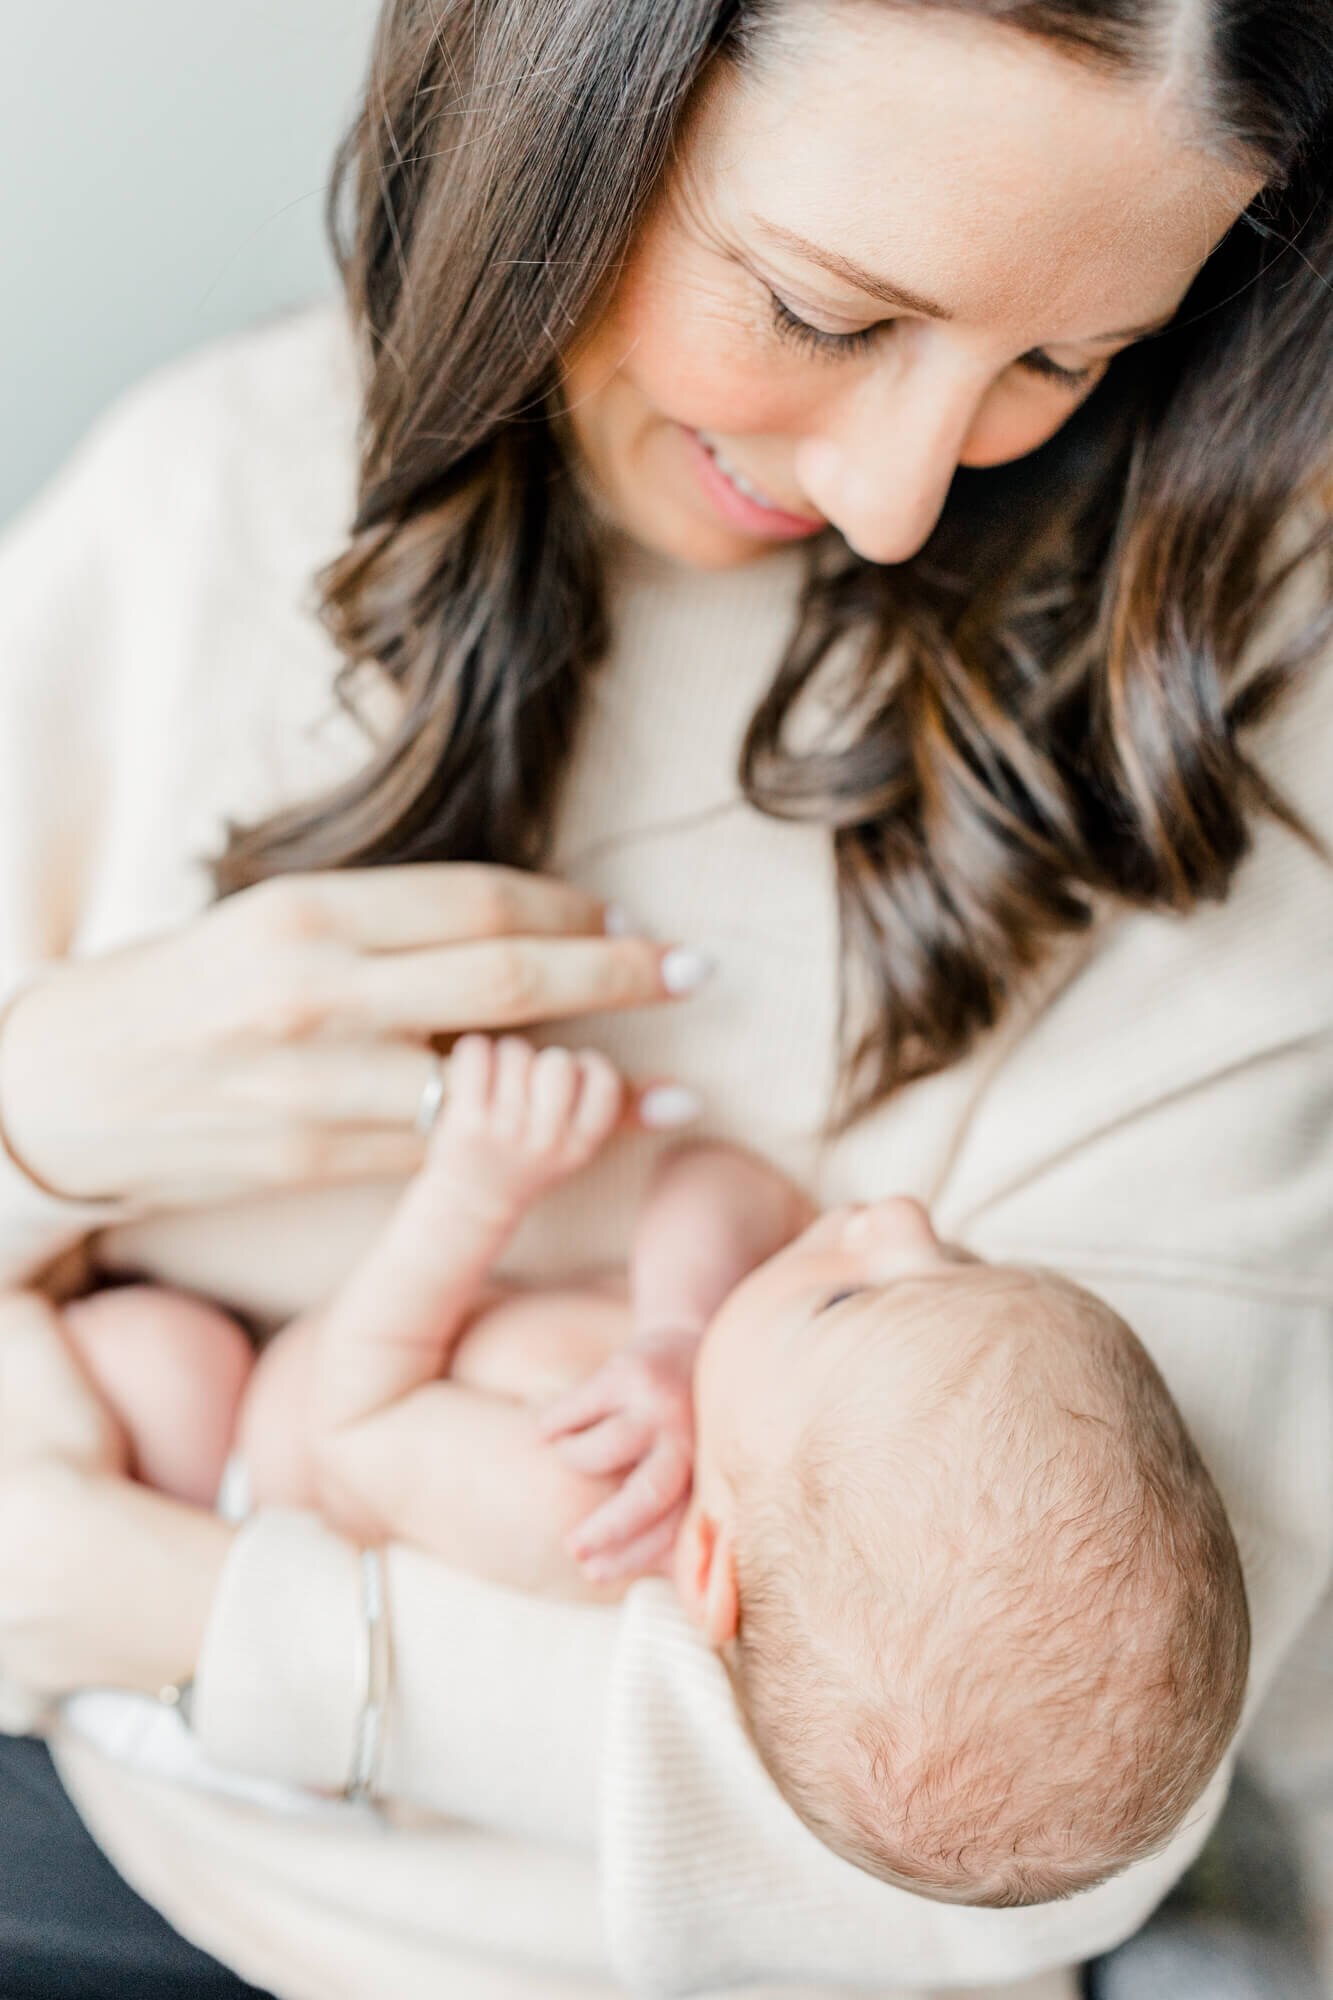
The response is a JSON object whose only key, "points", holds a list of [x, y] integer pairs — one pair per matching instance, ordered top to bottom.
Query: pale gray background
{"points": [[162, 171]]}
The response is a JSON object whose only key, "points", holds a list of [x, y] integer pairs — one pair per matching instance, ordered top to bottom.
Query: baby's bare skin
{"points": [[418, 1404], [458, 1467]]}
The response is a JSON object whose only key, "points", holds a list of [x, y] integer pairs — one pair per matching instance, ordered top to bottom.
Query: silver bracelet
{"points": [[376, 1679]]}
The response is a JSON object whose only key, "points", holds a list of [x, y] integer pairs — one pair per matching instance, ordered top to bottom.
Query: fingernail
{"points": [[615, 920], [683, 970], [668, 1105]]}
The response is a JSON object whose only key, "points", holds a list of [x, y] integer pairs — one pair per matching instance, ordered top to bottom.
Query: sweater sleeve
{"points": [[58, 711], [498, 1699]]}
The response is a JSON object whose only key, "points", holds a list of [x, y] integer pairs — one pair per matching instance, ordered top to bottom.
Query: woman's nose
{"points": [[880, 466]]}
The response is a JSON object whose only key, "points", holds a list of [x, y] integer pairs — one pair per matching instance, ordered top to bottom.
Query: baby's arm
{"points": [[515, 1121], [712, 1214], [455, 1468]]}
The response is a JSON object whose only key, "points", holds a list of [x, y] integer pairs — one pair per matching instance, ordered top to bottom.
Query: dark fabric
{"points": [[70, 1928], [1234, 1928]]}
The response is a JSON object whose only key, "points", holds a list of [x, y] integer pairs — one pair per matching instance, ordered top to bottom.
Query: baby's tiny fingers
{"points": [[514, 1059], [471, 1069], [555, 1084], [601, 1097], [574, 1409], [614, 1445], [649, 1492], [647, 1555]]}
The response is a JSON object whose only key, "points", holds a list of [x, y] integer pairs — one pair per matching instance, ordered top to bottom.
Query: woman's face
{"points": [[903, 241]]}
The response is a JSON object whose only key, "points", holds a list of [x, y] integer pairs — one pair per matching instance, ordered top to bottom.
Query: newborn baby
{"points": [[975, 1591]]}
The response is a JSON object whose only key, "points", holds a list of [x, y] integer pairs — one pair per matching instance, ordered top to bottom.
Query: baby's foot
{"points": [[517, 1119]]}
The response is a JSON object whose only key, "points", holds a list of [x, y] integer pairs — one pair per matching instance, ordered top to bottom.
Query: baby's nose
{"points": [[899, 1222]]}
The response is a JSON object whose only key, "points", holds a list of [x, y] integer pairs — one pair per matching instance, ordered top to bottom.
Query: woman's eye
{"points": [[815, 340], [1041, 364]]}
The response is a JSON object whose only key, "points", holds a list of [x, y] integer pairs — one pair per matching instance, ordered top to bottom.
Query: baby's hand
{"points": [[517, 1119], [635, 1416]]}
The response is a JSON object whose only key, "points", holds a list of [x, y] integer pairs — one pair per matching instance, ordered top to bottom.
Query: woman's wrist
{"points": [[20, 1143], [174, 1556], [147, 1576]]}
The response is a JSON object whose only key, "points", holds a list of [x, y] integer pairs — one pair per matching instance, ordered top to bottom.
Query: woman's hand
{"points": [[280, 1039], [102, 1583]]}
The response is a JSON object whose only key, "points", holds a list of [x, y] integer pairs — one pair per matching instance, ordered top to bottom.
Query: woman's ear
{"points": [[706, 1576]]}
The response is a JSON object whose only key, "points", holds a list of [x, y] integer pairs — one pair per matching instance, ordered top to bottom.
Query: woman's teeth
{"points": [[738, 479]]}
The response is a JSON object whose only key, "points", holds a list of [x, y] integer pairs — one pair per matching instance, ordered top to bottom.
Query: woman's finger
{"points": [[427, 903], [511, 982], [328, 1083]]}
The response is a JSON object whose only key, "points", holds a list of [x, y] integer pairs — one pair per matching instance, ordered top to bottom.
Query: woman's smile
{"points": [[858, 277], [739, 501]]}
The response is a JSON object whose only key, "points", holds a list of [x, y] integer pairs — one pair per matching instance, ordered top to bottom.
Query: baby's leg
{"points": [[515, 1122], [174, 1371]]}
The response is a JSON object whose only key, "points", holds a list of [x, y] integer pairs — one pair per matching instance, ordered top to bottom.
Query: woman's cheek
{"points": [[709, 373], [1018, 417]]}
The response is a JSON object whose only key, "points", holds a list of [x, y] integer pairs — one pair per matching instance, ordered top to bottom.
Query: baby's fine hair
{"points": [[992, 1643]]}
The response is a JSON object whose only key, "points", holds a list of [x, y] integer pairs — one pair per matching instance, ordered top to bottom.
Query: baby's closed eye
{"points": [[836, 1298]]}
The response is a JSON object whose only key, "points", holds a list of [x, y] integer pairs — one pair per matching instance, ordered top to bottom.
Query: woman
{"points": [[968, 367]]}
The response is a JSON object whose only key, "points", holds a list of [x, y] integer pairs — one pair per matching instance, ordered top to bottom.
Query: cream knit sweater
{"points": [[576, 1803]]}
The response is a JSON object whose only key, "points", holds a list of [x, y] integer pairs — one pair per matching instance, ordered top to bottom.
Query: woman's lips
{"points": [[753, 516]]}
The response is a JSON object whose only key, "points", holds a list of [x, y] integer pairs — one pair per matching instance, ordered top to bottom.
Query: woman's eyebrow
{"points": [[855, 274], [902, 296]]}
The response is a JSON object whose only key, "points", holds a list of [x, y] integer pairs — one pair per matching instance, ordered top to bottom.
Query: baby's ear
{"points": [[705, 1572]]}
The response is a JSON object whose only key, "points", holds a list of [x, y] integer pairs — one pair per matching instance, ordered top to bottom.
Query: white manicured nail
{"points": [[615, 920], [683, 970], [668, 1105]]}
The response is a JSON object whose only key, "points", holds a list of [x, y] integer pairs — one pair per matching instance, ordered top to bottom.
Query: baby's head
{"points": [[975, 1589]]}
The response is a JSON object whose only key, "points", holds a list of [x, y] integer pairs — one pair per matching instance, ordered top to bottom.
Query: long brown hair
{"points": [[1051, 690]]}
